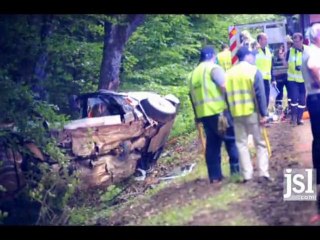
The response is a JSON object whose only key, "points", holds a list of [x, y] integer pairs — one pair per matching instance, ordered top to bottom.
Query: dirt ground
{"points": [[291, 147]]}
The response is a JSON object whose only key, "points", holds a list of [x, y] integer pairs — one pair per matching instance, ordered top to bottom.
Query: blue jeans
{"points": [[281, 83], [298, 99], [213, 147]]}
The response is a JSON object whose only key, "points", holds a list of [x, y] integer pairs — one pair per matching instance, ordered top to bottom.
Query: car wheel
{"points": [[158, 108]]}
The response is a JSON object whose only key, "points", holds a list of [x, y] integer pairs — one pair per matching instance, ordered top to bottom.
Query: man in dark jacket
{"points": [[207, 89]]}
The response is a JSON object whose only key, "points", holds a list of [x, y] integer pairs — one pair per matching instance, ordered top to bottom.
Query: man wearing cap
{"points": [[264, 63], [311, 73], [207, 87], [297, 88], [247, 100]]}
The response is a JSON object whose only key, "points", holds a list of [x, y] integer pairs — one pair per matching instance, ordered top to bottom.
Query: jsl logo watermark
{"points": [[299, 184]]}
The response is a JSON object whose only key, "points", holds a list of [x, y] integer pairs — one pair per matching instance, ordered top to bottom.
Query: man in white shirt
{"points": [[311, 73]]}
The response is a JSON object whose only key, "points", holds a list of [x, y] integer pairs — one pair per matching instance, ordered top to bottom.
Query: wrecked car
{"points": [[116, 134]]}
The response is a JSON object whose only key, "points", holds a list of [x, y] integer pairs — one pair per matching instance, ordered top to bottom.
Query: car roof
{"points": [[101, 92], [139, 95]]}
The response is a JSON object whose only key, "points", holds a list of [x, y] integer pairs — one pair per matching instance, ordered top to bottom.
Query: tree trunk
{"points": [[116, 36], [41, 63]]}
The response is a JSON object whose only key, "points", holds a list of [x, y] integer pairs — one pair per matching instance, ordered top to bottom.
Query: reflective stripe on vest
{"points": [[224, 59], [295, 59], [264, 63], [239, 86], [206, 96]]}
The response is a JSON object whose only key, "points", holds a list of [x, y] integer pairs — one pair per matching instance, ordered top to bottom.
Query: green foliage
{"points": [[251, 18], [210, 28], [19, 35], [74, 50], [161, 53], [158, 57], [74, 66], [25, 112], [184, 122], [50, 188], [54, 192], [110, 193], [87, 212], [80, 216]]}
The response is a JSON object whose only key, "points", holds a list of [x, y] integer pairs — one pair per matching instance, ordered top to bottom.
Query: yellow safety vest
{"points": [[224, 59], [295, 59], [264, 63], [239, 86], [206, 96]]}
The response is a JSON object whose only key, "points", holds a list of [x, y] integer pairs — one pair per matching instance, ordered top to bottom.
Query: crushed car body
{"points": [[116, 133]]}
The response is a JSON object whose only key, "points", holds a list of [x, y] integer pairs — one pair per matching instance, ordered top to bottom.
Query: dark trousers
{"points": [[281, 83], [267, 89], [298, 100], [313, 105], [213, 147]]}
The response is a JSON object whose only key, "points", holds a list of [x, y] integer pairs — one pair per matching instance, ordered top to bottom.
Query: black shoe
{"points": [[264, 179], [217, 180], [246, 181], [216, 184]]}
